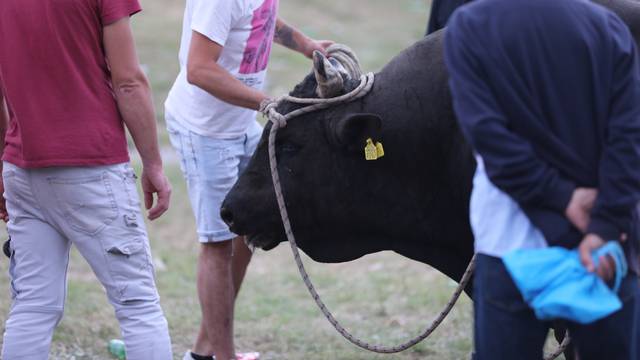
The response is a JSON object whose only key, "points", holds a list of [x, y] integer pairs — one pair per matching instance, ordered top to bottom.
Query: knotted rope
{"points": [[347, 58], [278, 121], [561, 348]]}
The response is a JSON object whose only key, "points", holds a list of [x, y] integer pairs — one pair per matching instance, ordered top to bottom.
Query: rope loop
{"points": [[269, 107]]}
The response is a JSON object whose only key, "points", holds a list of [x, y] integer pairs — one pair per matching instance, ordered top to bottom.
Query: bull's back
{"points": [[628, 11]]}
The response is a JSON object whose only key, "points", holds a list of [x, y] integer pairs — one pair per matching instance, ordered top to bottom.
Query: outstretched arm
{"points": [[293, 39], [204, 72]]}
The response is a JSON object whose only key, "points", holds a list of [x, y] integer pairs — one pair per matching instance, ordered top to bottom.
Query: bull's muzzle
{"points": [[227, 216]]}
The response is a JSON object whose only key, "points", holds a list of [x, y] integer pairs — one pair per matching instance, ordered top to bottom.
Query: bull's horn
{"points": [[330, 82]]}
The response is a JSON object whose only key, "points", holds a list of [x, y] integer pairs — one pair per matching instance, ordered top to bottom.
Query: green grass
{"points": [[384, 298]]}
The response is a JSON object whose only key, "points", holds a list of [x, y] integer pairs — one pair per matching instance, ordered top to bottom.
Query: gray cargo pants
{"points": [[98, 210]]}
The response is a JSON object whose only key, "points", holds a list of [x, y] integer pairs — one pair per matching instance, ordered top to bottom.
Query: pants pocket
{"points": [[178, 143], [131, 189], [15, 194], [88, 203], [129, 265], [12, 273], [499, 289]]}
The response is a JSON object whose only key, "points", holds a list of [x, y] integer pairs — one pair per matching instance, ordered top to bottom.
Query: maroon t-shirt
{"points": [[58, 83]]}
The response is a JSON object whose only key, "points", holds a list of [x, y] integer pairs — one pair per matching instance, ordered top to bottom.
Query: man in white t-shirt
{"points": [[210, 115]]}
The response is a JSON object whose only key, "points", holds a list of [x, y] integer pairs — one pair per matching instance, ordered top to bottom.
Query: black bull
{"points": [[413, 201]]}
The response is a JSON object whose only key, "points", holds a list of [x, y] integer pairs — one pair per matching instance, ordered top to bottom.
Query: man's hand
{"points": [[293, 39], [313, 45], [154, 181], [579, 209], [606, 269]]}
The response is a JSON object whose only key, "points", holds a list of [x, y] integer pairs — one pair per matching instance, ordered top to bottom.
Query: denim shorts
{"points": [[211, 167]]}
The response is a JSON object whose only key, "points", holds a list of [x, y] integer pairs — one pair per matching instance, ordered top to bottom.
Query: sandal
{"points": [[248, 356]]}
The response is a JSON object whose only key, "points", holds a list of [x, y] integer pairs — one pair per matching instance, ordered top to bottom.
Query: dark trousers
{"points": [[506, 328]]}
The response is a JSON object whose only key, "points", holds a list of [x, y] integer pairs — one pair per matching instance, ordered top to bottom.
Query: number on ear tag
{"points": [[379, 150], [370, 151]]}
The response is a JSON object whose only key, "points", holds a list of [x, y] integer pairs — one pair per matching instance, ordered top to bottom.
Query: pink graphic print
{"points": [[256, 54]]}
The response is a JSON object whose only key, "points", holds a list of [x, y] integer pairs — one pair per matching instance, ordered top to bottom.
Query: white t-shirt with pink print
{"points": [[245, 29]]}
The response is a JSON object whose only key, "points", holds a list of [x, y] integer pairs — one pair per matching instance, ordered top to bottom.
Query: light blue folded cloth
{"points": [[556, 285]]}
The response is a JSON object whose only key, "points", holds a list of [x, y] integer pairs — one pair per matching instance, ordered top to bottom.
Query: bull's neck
{"points": [[413, 86], [425, 150]]}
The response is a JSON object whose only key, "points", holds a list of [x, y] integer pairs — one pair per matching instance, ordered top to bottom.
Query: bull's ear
{"points": [[354, 129]]}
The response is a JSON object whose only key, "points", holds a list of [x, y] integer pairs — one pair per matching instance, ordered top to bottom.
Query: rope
{"points": [[347, 58], [268, 108], [561, 348]]}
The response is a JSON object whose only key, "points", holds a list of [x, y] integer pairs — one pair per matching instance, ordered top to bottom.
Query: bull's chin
{"points": [[263, 241]]}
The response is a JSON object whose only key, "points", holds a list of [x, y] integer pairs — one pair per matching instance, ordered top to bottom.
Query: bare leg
{"points": [[241, 259], [239, 262], [216, 294], [203, 345]]}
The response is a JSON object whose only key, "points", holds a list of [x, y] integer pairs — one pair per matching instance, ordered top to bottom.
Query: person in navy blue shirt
{"points": [[547, 92]]}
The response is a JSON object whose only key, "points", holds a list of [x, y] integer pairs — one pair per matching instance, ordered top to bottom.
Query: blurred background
{"points": [[383, 298]]}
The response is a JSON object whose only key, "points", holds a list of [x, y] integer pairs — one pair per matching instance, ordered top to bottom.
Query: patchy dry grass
{"points": [[384, 297]]}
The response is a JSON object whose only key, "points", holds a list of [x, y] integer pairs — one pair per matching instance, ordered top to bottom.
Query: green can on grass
{"points": [[116, 348]]}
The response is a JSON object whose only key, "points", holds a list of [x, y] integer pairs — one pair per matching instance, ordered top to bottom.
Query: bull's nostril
{"points": [[227, 216]]}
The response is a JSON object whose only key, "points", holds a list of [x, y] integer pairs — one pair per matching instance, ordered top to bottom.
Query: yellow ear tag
{"points": [[379, 150], [370, 151]]}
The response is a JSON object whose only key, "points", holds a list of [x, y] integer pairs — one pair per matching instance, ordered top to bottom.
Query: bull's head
{"points": [[317, 154]]}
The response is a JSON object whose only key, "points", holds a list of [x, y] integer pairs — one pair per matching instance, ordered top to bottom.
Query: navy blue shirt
{"points": [[548, 94]]}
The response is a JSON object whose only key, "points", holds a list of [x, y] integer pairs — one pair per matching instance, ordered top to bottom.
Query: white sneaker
{"points": [[248, 356]]}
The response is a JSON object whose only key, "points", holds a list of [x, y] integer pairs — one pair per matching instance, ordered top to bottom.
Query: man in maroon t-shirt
{"points": [[70, 81]]}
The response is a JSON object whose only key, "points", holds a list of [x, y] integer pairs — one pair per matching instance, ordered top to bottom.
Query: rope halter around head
{"points": [[347, 58]]}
